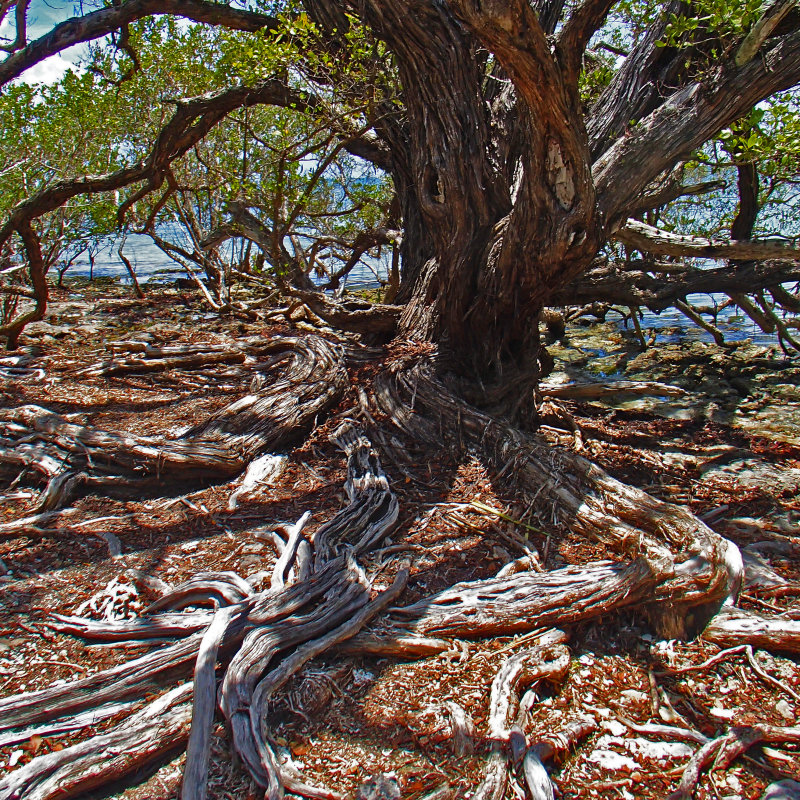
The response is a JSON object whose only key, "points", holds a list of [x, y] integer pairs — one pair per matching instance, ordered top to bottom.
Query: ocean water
{"points": [[151, 264], [671, 326], [667, 327]]}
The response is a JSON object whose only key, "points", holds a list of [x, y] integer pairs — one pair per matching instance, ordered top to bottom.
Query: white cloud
{"points": [[48, 71]]}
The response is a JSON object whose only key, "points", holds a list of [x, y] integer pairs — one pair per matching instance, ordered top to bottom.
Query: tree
{"points": [[46, 134], [515, 161]]}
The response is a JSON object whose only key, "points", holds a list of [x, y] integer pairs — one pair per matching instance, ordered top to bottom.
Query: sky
{"points": [[42, 16]]}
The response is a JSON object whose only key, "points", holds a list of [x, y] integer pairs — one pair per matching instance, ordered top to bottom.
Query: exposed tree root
{"points": [[356, 316], [593, 391], [72, 458], [687, 571], [321, 600], [507, 605], [301, 620], [734, 626], [747, 649], [548, 661], [463, 728], [149, 735], [555, 746], [727, 748]]}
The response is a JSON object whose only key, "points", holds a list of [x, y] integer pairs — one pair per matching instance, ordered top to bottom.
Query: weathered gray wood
{"points": [[72, 458], [287, 557], [693, 570], [205, 588], [525, 601], [734, 626], [523, 668], [278, 677], [204, 701], [158, 729]]}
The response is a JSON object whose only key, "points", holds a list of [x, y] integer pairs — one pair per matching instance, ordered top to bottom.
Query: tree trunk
{"points": [[494, 182]]}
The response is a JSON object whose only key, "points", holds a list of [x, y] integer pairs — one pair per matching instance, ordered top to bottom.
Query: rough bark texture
{"points": [[73, 459]]}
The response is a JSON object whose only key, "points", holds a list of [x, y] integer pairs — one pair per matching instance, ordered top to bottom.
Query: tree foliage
{"points": [[293, 166]]}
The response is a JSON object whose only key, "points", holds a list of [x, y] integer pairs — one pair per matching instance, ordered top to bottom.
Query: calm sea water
{"points": [[151, 264], [670, 326]]}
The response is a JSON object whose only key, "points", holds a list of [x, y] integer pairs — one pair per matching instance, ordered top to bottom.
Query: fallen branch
{"points": [[550, 662]]}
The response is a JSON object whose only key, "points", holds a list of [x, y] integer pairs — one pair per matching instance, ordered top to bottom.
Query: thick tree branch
{"points": [[549, 12], [21, 23], [96, 24], [511, 30], [762, 30], [577, 31], [638, 87], [688, 119], [192, 120], [745, 219], [244, 223], [553, 227], [365, 241], [662, 243], [37, 272], [614, 284], [355, 316]]}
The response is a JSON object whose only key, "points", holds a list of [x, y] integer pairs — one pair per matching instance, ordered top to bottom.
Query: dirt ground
{"points": [[343, 719]]}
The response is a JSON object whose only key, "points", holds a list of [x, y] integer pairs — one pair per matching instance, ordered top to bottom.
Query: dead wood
{"points": [[664, 243], [659, 285], [352, 315], [256, 352], [130, 366], [593, 391], [72, 458], [686, 570], [204, 588], [320, 598], [530, 600], [299, 620], [734, 626], [395, 643], [747, 649], [548, 662], [274, 680], [72, 723], [159, 729], [463, 729], [554, 746], [198, 749], [725, 749]]}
